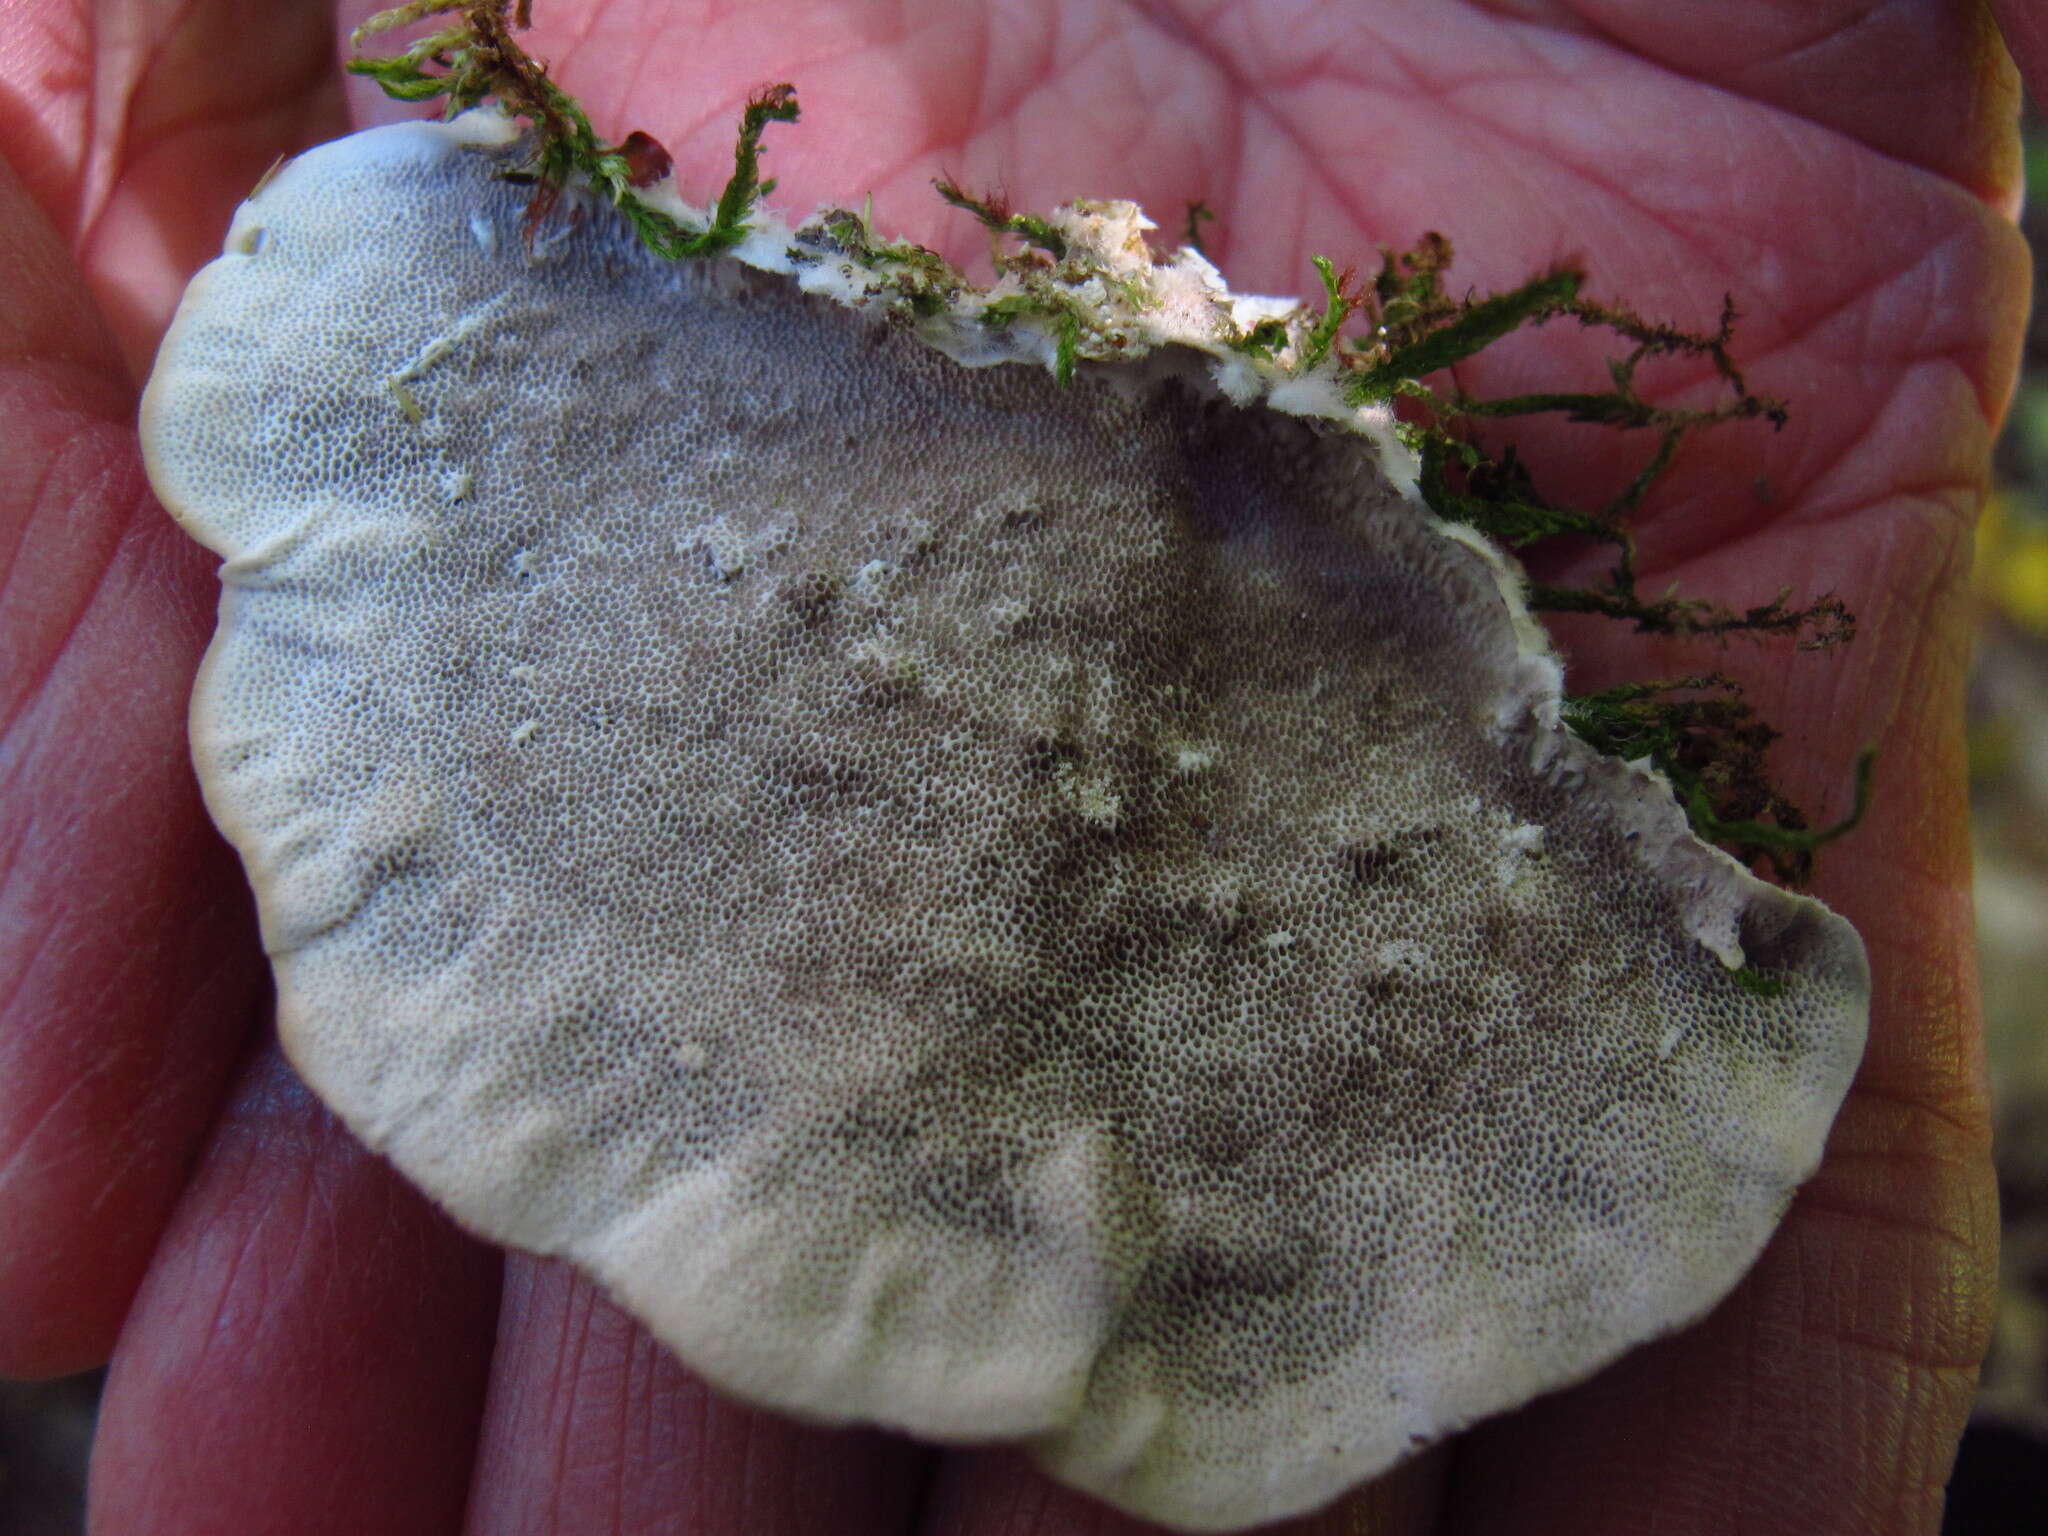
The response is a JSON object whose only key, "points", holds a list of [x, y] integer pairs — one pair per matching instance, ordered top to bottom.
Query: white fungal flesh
{"points": [[992, 908]]}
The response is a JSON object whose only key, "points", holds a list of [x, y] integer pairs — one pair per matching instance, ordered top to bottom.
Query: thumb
{"points": [[137, 127]]}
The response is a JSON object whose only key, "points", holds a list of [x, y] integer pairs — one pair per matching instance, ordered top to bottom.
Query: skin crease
{"points": [[300, 1344]]}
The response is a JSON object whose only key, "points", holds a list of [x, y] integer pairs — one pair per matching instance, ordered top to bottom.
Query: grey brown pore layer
{"points": [[1001, 910]]}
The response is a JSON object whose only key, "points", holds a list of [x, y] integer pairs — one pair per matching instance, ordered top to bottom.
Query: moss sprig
{"points": [[476, 59], [993, 211], [1338, 303], [1709, 742], [1711, 748]]}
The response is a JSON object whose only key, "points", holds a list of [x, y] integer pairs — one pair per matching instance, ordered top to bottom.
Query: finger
{"points": [[1831, 62], [140, 125], [125, 939], [309, 1352], [1828, 1392], [1825, 1396], [594, 1428], [999, 1493]]}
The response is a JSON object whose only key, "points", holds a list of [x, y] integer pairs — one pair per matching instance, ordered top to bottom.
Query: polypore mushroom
{"points": [[996, 907]]}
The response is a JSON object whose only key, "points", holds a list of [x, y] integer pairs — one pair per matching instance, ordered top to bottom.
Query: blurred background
{"points": [[2001, 1481], [2000, 1487]]}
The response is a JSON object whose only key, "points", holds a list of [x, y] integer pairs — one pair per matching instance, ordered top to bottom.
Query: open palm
{"points": [[301, 1344]]}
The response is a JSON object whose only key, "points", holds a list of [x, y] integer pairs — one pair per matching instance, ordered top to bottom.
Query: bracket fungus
{"points": [[984, 883]]}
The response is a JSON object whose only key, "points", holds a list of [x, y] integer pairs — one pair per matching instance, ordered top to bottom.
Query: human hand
{"points": [[307, 1346]]}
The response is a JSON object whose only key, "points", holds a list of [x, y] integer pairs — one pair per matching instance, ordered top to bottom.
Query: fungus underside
{"points": [[1404, 325]]}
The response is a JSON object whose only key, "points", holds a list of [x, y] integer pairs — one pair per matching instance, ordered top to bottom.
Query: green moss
{"points": [[476, 59], [992, 212], [925, 282], [1010, 306], [1404, 326], [1322, 332], [1450, 335], [1263, 341], [1068, 344], [1707, 740], [1711, 748], [1760, 983]]}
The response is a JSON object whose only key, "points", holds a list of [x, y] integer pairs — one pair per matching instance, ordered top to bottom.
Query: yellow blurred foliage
{"points": [[2012, 563]]}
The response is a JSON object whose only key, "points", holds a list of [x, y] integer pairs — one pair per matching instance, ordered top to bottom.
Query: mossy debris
{"points": [[1078, 284]]}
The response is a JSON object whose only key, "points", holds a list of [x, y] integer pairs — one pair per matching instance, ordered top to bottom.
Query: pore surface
{"points": [[999, 909]]}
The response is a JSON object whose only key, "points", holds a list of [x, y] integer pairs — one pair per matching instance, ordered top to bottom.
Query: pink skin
{"points": [[300, 1344]]}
